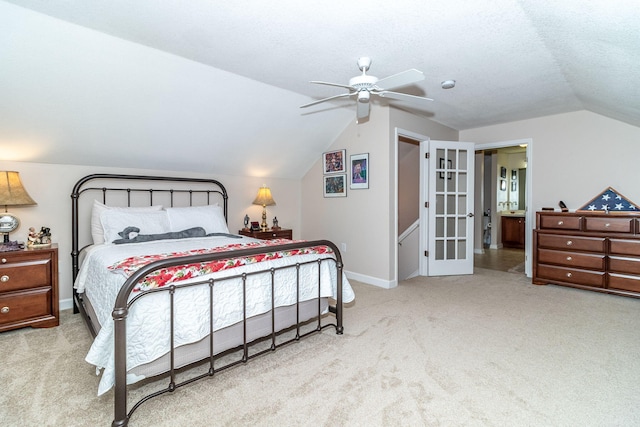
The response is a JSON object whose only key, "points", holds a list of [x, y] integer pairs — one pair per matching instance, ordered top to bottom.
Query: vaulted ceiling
{"points": [[511, 59]]}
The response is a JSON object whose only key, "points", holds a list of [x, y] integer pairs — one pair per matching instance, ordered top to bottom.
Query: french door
{"points": [[448, 187]]}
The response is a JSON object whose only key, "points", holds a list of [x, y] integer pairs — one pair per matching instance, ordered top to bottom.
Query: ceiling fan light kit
{"points": [[448, 84], [364, 85]]}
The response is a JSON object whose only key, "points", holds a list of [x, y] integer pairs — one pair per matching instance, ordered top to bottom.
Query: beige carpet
{"points": [[484, 350]]}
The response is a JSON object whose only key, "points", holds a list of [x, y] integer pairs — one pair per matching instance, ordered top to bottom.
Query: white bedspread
{"points": [[148, 320]]}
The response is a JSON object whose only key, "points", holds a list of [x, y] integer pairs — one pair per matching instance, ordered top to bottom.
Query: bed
{"points": [[163, 285]]}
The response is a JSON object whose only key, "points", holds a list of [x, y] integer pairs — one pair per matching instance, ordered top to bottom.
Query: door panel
{"points": [[450, 211]]}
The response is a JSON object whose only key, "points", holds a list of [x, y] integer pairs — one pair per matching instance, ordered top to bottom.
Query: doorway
{"points": [[506, 220]]}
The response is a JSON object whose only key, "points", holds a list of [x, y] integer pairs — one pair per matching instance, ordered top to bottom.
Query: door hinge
{"points": [[426, 155], [426, 204], [426, 253]]}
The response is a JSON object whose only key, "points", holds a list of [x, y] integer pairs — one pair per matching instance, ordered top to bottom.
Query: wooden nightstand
{"points": [[283, 233], [29, 288]]}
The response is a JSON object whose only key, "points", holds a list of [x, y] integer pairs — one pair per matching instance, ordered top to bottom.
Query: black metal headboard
{"points": [[140, 189]]}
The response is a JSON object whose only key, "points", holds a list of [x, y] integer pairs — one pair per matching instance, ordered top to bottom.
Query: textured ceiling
{"points": [[511, 59]]}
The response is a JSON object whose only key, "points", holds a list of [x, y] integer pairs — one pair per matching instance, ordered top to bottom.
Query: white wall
{"points": [[575, 156], [50, 186], [365, 220]]}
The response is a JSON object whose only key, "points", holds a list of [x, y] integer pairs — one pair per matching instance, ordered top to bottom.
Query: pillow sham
{"points": [[210, 217], [113, 222], [97, 231]]}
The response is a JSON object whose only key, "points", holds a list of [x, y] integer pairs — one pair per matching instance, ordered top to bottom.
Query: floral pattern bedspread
{"points": [[170, 275]]}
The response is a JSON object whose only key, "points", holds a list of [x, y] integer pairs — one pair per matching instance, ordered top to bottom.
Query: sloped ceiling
{"points": [[511, 59]]}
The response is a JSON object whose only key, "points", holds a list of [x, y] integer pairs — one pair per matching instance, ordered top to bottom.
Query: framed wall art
{"points": [[334, 161], [359, 171], [335, 185]]}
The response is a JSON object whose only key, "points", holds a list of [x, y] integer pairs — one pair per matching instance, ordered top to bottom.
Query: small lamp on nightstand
{"points": [[12, 193], [265, 199]]}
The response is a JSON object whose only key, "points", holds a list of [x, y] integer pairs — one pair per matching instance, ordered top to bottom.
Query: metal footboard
{"points": [[124, 302]]}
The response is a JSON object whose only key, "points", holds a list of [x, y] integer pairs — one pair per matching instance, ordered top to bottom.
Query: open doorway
{"points": [[503, 171]]}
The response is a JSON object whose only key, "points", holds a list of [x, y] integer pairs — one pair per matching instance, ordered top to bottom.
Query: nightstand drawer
{"points": [[28, 273], [18, 306]]}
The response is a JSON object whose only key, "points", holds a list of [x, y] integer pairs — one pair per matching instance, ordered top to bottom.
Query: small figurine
{"points": [[246, 223], [275, 223], [45, 236], [33, 237], [41, 238]]}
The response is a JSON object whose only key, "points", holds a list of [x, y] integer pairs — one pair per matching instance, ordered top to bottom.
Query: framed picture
{"points": [[334, 161], [442, 167], [359, 171], [503, 172], [514, 174], [335, 185], [503, 185], [514, 185], [255, 226]]}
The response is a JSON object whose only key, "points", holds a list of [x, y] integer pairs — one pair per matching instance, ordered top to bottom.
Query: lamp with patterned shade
{"points": [[12, 193], [265, 199]]}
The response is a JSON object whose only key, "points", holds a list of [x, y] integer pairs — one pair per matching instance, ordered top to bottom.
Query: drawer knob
{"points": [[560, 222], [607, 225], [569, 242], [569, 258], [4, 260], [569, 274], [4, 278], [4, 310]]}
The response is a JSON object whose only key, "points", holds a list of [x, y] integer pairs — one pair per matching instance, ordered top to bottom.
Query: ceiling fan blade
{"points": [[401, 79], [332, 84], [342, 95], [415, 100], [363, 110]]}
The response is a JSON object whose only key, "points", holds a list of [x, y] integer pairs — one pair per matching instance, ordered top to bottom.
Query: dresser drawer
{"points": [[558, 222], [609, 224], [574, 243], [624, 247], [572, 259], [624, 265], [26, 273], [594, 279], [624, 282], [18, 306]]}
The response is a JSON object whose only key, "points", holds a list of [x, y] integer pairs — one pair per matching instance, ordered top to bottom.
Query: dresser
{"points": [[281, 233], [594, 251], [29, 288]]}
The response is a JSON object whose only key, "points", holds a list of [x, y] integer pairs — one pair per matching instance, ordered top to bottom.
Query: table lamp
{"points": [[12, 193], [265, 199]]}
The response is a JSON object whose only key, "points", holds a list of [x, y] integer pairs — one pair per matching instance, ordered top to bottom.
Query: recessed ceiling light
{"points": [[448, 84]]}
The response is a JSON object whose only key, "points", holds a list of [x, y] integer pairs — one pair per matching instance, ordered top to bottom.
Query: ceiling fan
{"points": [[363, 86]]}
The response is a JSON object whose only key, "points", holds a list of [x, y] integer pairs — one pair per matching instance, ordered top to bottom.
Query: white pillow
{"points": [[210, 217], [113, 222], [97, 231]]}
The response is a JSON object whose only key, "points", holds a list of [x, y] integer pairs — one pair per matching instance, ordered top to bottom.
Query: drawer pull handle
{"points": [[560, 222], [569, 242], [569, 258], [4, 260], [569, 274], [4, 278], [4, 310]]}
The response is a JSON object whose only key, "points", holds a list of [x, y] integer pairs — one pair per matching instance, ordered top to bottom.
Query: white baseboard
{"points": [[386, 284], [66, 304]]}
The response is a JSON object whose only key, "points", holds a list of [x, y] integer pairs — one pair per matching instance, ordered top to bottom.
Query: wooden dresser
{"points": [[593, 251], [29, 288]]}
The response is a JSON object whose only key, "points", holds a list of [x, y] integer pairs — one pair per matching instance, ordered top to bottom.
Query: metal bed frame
{"points": [[208, 188]]}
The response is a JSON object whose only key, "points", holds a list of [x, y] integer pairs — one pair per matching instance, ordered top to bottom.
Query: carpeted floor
{"points": [[484, 350]]}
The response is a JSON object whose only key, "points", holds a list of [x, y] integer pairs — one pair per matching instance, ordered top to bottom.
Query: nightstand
{"points": [[283, 233], [29, 288]]}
